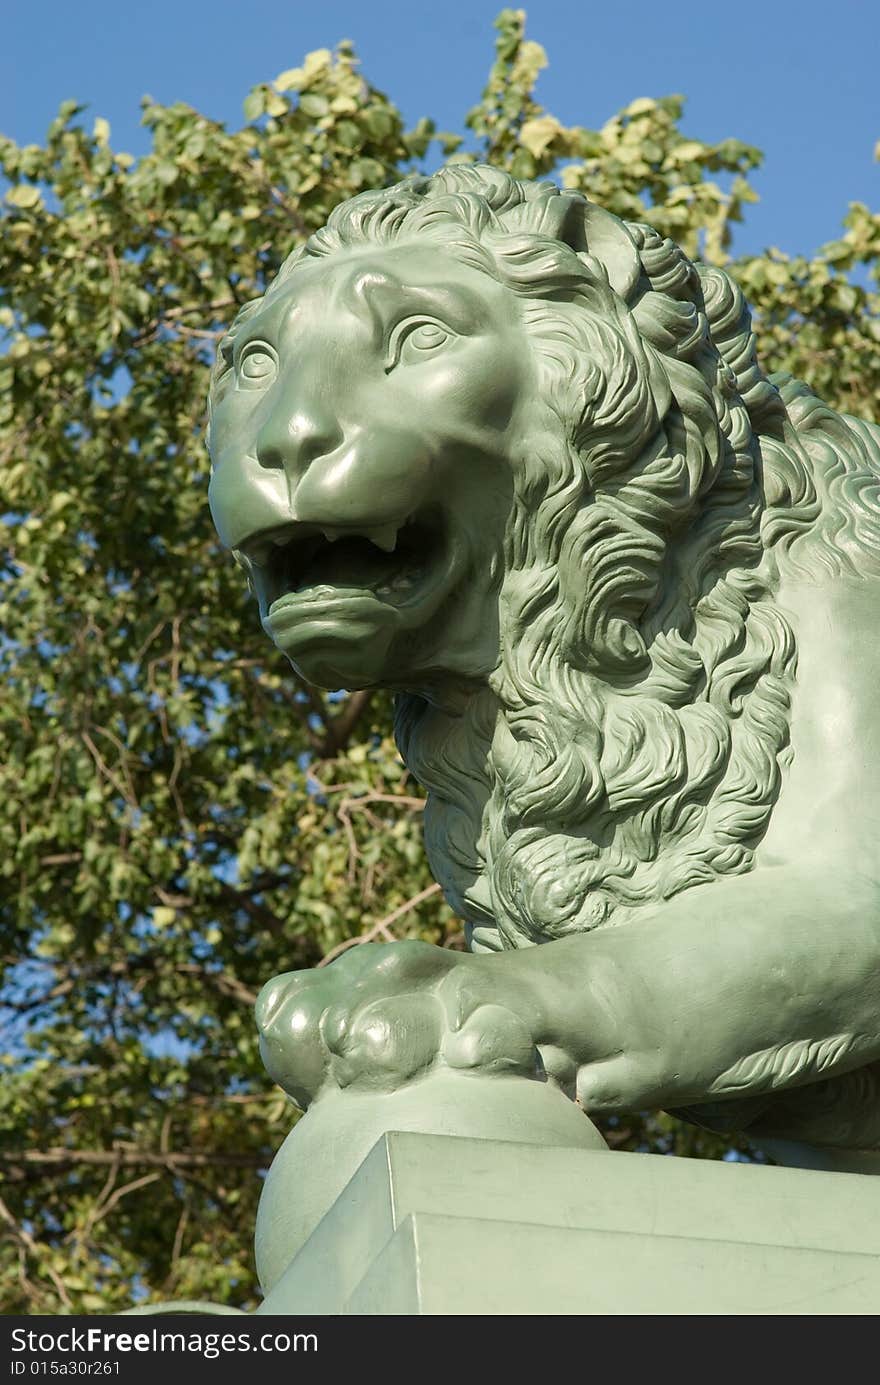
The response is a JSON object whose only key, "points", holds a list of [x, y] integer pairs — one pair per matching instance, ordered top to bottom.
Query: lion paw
{"points": [[385, 1014]]}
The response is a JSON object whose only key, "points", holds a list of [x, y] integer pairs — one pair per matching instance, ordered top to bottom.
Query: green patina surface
{"points": [[485, 444], [434, 1225]]}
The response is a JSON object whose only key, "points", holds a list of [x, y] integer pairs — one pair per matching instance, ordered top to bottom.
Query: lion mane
{"points": [[631, 741]]}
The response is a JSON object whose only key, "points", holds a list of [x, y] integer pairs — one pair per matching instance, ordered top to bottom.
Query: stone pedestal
{"points": [[437, 1224]]}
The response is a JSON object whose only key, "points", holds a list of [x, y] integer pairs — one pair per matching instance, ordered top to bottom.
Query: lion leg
{"points": [[698, 1001]]}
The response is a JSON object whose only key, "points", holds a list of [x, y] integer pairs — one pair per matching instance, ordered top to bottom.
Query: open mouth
{"points": [[393, 564]]}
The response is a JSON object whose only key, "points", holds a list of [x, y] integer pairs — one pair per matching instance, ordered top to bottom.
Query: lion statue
{"points": [[487, 445]]}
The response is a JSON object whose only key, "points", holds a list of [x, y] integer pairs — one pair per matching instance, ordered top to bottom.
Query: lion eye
{"points": [[412, 341], [257, 366]]}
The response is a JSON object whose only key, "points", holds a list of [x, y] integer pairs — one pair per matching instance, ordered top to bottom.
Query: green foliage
{"points": [[817, 319], [180, 818]]}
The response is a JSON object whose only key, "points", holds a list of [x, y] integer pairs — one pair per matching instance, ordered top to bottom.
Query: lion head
{"points": [[486, 444]]}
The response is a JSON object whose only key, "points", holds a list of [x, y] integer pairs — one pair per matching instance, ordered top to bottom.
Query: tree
{"points": [[180, 817]]}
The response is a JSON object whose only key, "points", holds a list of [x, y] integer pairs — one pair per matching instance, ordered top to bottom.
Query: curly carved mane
{"points": [[634, 731]]}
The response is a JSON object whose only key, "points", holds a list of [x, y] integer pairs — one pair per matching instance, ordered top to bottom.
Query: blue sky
{"points": [[797, 79]]}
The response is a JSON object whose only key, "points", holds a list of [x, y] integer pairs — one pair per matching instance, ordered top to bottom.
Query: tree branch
{"points": [[341, 727], [383, 927], [27, 1159], [27, 1243]]}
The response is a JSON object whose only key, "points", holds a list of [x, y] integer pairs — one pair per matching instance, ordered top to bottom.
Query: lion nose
{"points": [[291, 440], [262, 489]]}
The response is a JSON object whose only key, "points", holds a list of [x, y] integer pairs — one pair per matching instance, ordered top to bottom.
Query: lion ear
{"points": [[588, 229]]}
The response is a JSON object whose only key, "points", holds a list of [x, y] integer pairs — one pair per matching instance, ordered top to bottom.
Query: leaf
{"points": [[530, 60], [316, 61], [290, 80], [255, 104], [314, 105], [643, 105], [538, 133], [349, 134], [687, 151], [24, 195]]}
